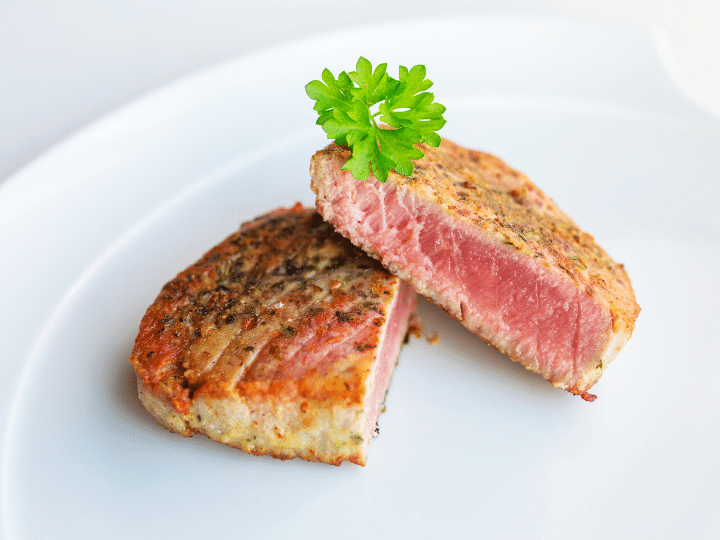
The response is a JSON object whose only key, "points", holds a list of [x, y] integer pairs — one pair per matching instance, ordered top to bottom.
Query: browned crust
{"points": [[282, 275]]}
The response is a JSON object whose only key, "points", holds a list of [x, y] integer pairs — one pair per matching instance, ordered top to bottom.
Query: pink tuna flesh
{"points": [[511, 300], [396, 328]]}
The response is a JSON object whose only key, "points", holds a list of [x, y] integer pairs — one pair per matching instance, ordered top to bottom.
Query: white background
{"points": [[66, 63], [641, 462]]}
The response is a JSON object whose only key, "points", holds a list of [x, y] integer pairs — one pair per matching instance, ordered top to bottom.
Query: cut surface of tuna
{"points": [[487, 245], [281, 340]]}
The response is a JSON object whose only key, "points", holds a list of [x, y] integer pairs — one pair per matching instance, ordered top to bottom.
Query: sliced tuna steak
{"points": [[482, 241], [281, 340]]}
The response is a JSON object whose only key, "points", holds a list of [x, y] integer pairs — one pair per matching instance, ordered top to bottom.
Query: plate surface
{"points": [[471, 444]]}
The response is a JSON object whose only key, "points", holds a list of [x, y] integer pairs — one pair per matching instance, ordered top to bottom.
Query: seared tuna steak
{"points": [[482, 241], [281, 340]]}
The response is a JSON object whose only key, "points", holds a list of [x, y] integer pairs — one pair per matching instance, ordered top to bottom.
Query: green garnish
{"points": [[344, 109]]}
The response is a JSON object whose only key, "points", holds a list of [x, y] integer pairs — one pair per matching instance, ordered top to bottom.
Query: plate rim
{"points": [[46, 158]]}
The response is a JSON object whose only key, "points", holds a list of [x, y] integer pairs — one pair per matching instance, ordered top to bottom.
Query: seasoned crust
{"points": [[269, 342]]}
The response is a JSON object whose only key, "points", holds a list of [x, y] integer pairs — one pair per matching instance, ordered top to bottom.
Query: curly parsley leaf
{"points": [[345, 112]]}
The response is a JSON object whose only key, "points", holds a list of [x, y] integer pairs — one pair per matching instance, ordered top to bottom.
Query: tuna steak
{"points": [[482, 241], [281, 340]]}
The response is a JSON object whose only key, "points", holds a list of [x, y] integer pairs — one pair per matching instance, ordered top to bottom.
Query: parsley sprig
{"points": [[345, 114]]}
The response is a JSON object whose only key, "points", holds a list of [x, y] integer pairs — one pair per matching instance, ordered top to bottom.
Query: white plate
{"points": [[472, 445]]}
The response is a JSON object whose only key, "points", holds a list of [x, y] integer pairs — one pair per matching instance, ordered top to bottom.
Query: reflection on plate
{"points": [[471, 444]]}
